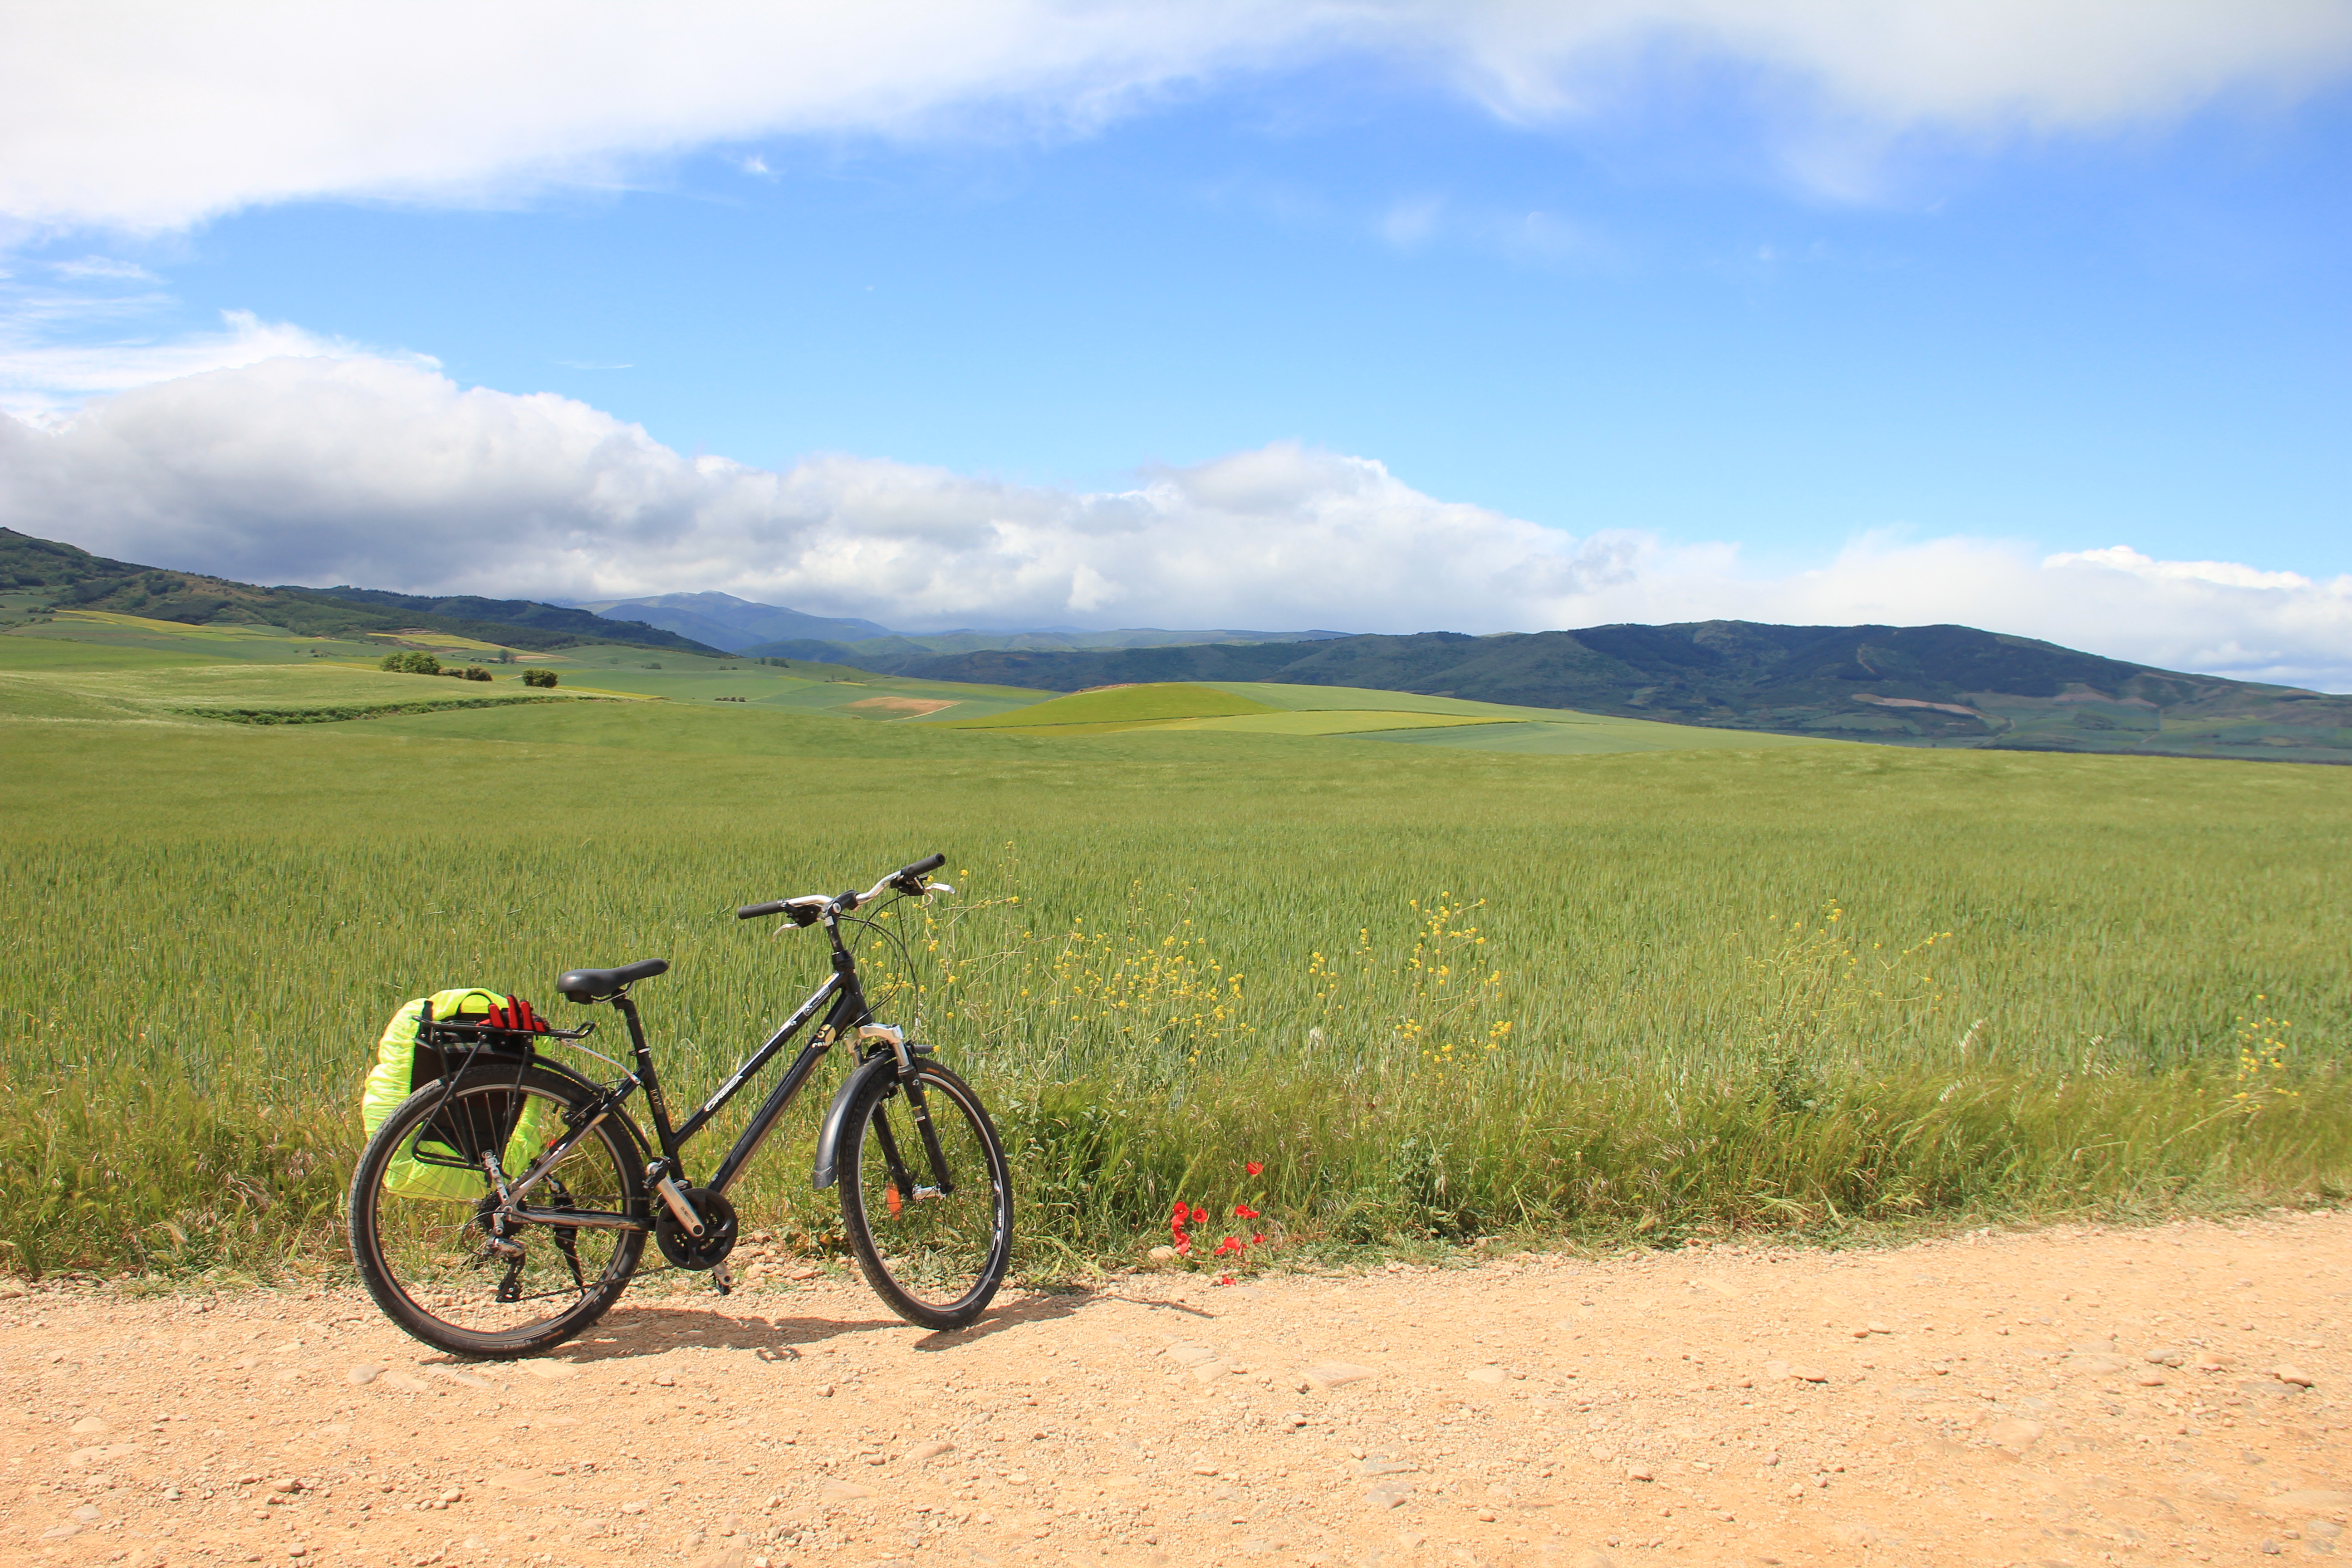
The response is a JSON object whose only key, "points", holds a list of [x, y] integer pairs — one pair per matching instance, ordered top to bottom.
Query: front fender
{"points": [[828, 1137]]}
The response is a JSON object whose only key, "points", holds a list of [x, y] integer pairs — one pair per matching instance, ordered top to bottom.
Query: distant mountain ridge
{"points": [[73, 578], [735, 625], [774, 631], [919, 645], [1936, 685]]}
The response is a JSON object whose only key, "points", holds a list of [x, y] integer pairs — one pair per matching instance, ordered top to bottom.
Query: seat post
{"points": [[628, 1010]]}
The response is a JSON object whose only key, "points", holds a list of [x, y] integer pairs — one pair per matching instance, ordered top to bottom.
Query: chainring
{"points": [[708, 1250]]}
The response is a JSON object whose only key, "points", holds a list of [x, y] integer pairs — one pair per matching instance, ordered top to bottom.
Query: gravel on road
{"points": [[2073, 1396]]}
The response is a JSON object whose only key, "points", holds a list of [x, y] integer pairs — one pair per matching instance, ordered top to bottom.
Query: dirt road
{"points": [[2067, 1396]]}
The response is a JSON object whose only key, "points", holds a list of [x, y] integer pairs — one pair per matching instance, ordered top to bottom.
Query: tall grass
{"points": [[1428, 996]]}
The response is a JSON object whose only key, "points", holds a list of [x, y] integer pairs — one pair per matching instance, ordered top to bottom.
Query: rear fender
{"points": [[828, 1138]]}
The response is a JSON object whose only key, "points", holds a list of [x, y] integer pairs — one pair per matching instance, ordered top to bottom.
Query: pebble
{"points": [[1164, 1255], [2163, 1357], [551, 1370], [362, 1374], [1485, 1374], [1329, 1375], [2295, 1375], [664, 1380], [2151, 1380], [825, 1390], [90, 1427], [2014, 1435], [931, 1449], [1641, 1473], [286, 1486], [844, 1490], [1382, 1497], [632, 1508], [88, 1514]]}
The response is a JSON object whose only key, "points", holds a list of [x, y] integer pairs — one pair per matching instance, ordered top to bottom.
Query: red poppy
{"points": [[1254, 1167], [890, 1196], [1242, 1211], [1258, 1241], [1183, 1243], [1230, 1244], [1224, 1278]]}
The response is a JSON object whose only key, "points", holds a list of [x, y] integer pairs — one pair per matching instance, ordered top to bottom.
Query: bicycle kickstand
{"points": [[723, 1278]]}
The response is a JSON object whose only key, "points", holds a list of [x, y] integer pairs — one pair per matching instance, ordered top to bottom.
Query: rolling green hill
{"points": [[40, 576], [1918, 686], [1243, 707]]}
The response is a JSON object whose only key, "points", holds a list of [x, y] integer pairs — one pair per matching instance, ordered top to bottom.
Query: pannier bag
{"points": [[444, 1161]]}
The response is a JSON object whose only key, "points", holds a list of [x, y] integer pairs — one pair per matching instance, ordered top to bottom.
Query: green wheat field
{"points": [[1582, 982]]}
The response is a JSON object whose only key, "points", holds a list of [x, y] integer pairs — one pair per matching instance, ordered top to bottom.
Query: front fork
{"points": [[917, 1104]]}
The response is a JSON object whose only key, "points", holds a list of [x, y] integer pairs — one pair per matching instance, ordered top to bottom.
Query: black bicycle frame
{"points": [[849, 1013]]}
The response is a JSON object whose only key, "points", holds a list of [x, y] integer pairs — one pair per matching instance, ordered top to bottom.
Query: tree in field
{"points": [[539, 677]]}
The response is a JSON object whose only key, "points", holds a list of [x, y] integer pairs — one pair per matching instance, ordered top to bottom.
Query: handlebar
{"points": [[810, 907]]}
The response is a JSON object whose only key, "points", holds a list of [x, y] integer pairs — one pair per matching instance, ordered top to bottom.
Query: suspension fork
{"points": [[919, 1106]]}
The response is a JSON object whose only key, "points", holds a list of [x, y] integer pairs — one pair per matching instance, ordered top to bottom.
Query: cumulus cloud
{"points": [[121, 112], [44, 382], [385, 473]]}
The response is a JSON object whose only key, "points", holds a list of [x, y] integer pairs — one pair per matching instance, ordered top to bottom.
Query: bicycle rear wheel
{"points": [[422, 1216], [930, 1216]]}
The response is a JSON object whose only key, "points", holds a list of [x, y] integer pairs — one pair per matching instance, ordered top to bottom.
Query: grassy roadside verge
{"points": [[106, 1177]]}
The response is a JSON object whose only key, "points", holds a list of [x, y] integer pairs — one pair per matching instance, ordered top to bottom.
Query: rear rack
{"points": [[453, 1033]]}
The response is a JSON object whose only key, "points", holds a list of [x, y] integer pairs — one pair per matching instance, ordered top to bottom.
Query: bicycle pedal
{"points": [[724, 1279]]}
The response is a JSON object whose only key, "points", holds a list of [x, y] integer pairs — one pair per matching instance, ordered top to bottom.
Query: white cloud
{"points": [[123, 112], [44, 383], [385, 473]]}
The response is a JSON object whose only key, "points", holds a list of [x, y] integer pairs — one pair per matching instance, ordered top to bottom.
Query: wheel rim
{"points": [[430, 1221], [939, 1250]]}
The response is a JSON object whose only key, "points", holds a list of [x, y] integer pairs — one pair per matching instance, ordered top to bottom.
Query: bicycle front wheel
{"points": [[926, 1197], [425, 1233]]}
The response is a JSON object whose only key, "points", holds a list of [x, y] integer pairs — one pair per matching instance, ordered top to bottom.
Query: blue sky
{"points": [[1742, 328]]}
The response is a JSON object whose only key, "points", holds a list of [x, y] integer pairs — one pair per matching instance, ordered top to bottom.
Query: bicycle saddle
{"points": [[595, 984]]}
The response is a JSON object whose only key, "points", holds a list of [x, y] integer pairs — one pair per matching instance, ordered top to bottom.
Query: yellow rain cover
{"points": [[388, 1085]]}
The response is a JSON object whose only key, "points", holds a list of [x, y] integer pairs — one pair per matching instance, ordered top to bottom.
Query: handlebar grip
{"points": [[927, 863], [753, 911]]}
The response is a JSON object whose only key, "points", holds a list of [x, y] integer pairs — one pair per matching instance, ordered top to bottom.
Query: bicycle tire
{"points": [[425, 1253], [936, 1257]]}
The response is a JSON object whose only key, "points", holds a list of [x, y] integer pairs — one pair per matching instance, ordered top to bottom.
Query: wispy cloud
{"points": [[121, 113], [360, 468]]}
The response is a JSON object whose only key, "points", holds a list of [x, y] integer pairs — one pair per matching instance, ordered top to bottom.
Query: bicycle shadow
{"points": [[631, 1331]]}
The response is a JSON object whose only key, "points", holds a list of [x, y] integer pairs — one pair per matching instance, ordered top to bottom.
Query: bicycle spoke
{"points": [[935, 1251], [435, 1253]]}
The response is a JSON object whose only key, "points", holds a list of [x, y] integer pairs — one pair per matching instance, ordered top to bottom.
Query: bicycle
{"points": [[502, 1208]]}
